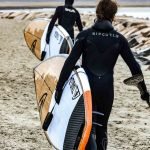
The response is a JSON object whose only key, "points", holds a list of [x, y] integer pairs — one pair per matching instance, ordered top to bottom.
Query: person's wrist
{"points": [[145, 95]]}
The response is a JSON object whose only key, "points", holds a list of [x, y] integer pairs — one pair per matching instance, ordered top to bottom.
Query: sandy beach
{"points": [[20, 129]]}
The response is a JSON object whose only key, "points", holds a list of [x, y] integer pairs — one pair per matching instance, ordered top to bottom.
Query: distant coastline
{"points": [[32, 5]]}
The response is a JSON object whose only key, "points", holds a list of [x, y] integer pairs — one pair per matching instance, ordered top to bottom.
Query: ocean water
{"points": [[43, 0], [125, 1], [137, 12]]}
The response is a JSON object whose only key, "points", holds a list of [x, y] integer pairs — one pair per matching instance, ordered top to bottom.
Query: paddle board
{"points": [[35, 37], [68, 125]]}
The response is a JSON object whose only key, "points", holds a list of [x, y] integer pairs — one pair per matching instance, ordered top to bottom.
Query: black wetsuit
{"points": [[67, 17], [100, 47]]}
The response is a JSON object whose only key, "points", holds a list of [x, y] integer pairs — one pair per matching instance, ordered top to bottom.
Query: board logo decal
{"points": [[58, 37], [61, 38], [33, 46], [74, 88], [42, 101]]}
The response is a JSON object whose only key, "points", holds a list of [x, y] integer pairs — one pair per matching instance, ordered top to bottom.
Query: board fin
{"points": [[43, 55], [134, 80], [47, 121]]}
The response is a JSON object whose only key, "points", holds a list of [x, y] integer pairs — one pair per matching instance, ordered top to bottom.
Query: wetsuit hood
{"points": [[69, 2], [104, 25]]}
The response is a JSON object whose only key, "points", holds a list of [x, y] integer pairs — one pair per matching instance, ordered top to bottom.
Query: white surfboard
{"points": [[35, 37], [60, 42], [72, 98], [68, 124]]}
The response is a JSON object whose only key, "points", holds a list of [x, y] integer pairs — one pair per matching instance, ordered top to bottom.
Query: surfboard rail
{"points": [[88, 113], [88, 121]]}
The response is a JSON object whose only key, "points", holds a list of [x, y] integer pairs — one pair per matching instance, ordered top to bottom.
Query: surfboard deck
{"points": [[35, 37], [72, 118]]}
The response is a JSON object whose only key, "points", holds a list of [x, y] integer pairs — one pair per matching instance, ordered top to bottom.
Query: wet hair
{"points": [[69, 2], [106, 9]]}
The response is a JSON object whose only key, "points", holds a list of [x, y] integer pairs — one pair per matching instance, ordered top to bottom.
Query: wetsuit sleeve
{"points": [[78, 21], [52, 23], [128, 57], [70, 63]]}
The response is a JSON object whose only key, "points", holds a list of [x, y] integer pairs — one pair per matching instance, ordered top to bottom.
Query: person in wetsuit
{"points": [[67, 17], [100, 47]]}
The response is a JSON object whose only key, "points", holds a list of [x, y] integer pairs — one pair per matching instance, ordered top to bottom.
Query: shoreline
{"points": [[35, 5], [130, 12]]}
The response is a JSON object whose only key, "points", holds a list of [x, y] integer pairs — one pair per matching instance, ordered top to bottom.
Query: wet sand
{"points": [[20, 129]]}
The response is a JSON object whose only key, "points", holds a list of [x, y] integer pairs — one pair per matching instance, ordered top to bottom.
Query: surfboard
{"points": [[35, 37], [67, 125]]}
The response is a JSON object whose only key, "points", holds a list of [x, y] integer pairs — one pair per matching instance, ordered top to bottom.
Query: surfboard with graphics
{"points": [[35, 37], [67, 125]]}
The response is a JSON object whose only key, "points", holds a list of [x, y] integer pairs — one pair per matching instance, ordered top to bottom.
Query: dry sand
{"points": [[129, 124]]}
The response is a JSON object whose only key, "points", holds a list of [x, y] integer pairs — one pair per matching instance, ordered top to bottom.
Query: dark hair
{"points": [[69, 2], [106, 9]]}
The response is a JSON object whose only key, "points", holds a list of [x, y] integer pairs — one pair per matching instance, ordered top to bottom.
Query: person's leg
{"points": [[102, 100], [104, 108], [101, 138], [91, 143]]}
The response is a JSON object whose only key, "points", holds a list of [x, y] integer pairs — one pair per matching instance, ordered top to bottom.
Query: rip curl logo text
{"points": [[70, 10], [111, 35], [74, 89]]}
